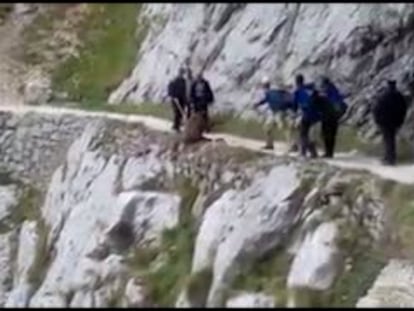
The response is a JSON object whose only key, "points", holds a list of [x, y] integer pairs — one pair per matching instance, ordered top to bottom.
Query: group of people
{"points": [[190, 95], [322, 102], [310, 103], [306, 105]]}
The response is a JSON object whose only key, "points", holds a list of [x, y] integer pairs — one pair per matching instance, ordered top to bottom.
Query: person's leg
{"points": [[188, 109], [177, 116], [206, 118], [335, 126], [269, 128], [329, 131], [325, 136], [387, 136], [304, 137], [392, 147]]}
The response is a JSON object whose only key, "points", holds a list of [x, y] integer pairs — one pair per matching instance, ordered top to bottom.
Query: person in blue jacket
{"points": [[277, 100], [309, 115]]}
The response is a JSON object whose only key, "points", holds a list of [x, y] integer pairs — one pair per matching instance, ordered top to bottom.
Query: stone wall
{"points": [[33, 145]]}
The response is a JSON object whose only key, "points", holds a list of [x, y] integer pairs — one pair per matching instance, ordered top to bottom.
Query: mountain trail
{"points": [[401, 173]]}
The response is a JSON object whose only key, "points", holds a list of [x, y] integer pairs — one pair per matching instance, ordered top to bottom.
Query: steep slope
{"points": [[132, 218]]}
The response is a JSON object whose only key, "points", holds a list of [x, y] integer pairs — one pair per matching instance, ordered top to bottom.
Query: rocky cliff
{"points": [[358, 45], [106, 212], [126, 216]]}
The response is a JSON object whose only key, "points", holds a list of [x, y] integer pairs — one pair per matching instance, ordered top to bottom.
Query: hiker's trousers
{"points": [[202, 108], [177, 111], [329, 132], [389, 140], [305, 141]]}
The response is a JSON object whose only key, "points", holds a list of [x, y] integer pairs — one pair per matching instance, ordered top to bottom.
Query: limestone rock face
{"points": [[357, 45], [37, 89], [128, 218], [95, 221], [240, 226], [315, 265], [393, 287], [250, 300]]}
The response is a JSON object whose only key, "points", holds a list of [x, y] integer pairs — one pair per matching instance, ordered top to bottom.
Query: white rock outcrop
{"points": [[8, 200], [94, 219], [241, 226], [316, 263], [394, 287], [251, 300]]}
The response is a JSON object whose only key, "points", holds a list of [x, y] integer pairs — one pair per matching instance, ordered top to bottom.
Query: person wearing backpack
{"points": [[335, 96], [202, 97], [278, 100], [332, 107], [309, 115]]}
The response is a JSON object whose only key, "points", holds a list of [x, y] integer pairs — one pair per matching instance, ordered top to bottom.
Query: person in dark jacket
{"points": [[330, 90], [177, 91], [202, 97], [330, 103], [389, 114], [309, 115], [329, 120]]}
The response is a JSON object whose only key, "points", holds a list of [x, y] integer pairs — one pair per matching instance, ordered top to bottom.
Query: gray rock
{"points": [[394, 287], [251, 300]]}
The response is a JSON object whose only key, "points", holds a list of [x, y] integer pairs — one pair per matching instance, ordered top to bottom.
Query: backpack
{"points": [[337, 100], [341, 108]]}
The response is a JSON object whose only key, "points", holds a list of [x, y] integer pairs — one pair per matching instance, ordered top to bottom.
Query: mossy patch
{"points": [[5, 10], [36, 36], [110, 40], [157, 110], [250, 128], [400, 201], [38, 270], [268, 275], [165, 281], [354, 284], [198, 285]]}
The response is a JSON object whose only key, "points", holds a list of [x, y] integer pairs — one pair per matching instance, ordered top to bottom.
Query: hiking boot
{"points": [[176, 129], [267, 147], [294, 148], [313, 152], [387, 162]]}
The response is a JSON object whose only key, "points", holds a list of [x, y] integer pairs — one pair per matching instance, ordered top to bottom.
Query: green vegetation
{"points": [[5, 9], [36, 37], [110, 43], [156, 110], [228, 123], [400, 200], [29, 210], [176, 249], [37, 271], [267, 275], [355, 283], [198, 285]]}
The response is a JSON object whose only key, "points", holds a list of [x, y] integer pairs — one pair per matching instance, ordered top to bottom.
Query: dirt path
{"points": [[402, 173]]}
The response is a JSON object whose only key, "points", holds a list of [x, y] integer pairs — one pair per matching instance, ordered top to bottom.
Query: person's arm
{"points": [[170, 90], [192, 92], [210, 94], [260, 103]]}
